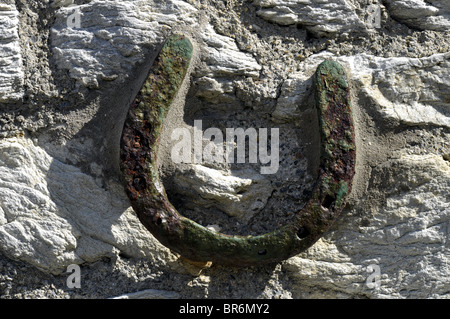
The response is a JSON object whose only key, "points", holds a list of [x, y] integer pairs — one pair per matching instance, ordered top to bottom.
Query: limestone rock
{"points": [[420, 14], [322, 18], [326, 18], [116, 31], [107, 48], [224, 57], [224, 65], [11, 73], [410, 90], [294, 93], [241, 194], [417, 211], [50, 220]]}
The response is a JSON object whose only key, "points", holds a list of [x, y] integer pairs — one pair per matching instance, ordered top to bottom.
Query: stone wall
{"points": [[70, 68]]}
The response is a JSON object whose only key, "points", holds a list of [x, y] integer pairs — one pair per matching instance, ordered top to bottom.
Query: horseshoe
{"points": [[138, 163]]}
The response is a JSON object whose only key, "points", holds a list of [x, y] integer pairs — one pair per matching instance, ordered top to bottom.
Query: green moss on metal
{"points": [[139, 145]]}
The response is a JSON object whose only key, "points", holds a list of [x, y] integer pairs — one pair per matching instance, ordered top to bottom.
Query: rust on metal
{"points": [[139, 146]]}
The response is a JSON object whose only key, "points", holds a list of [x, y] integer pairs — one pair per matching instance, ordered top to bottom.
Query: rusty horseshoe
{"points": [[138, 163]]}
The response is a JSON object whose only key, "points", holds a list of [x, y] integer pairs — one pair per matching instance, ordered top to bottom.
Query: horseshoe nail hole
{"points": [[139, 183], [328, 201], [303, 232], [262, 252]]}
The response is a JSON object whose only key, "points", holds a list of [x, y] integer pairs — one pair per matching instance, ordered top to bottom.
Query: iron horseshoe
{"points": [[139, 145]]}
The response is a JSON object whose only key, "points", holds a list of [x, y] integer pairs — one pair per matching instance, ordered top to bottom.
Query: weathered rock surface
{"points": [[424, 15], [320, 17], [331, 17], [125, 29], [117, 31], [11, 73], [409, 90], [241, 194], [61, 200], [53, 215], [405, 238]]}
